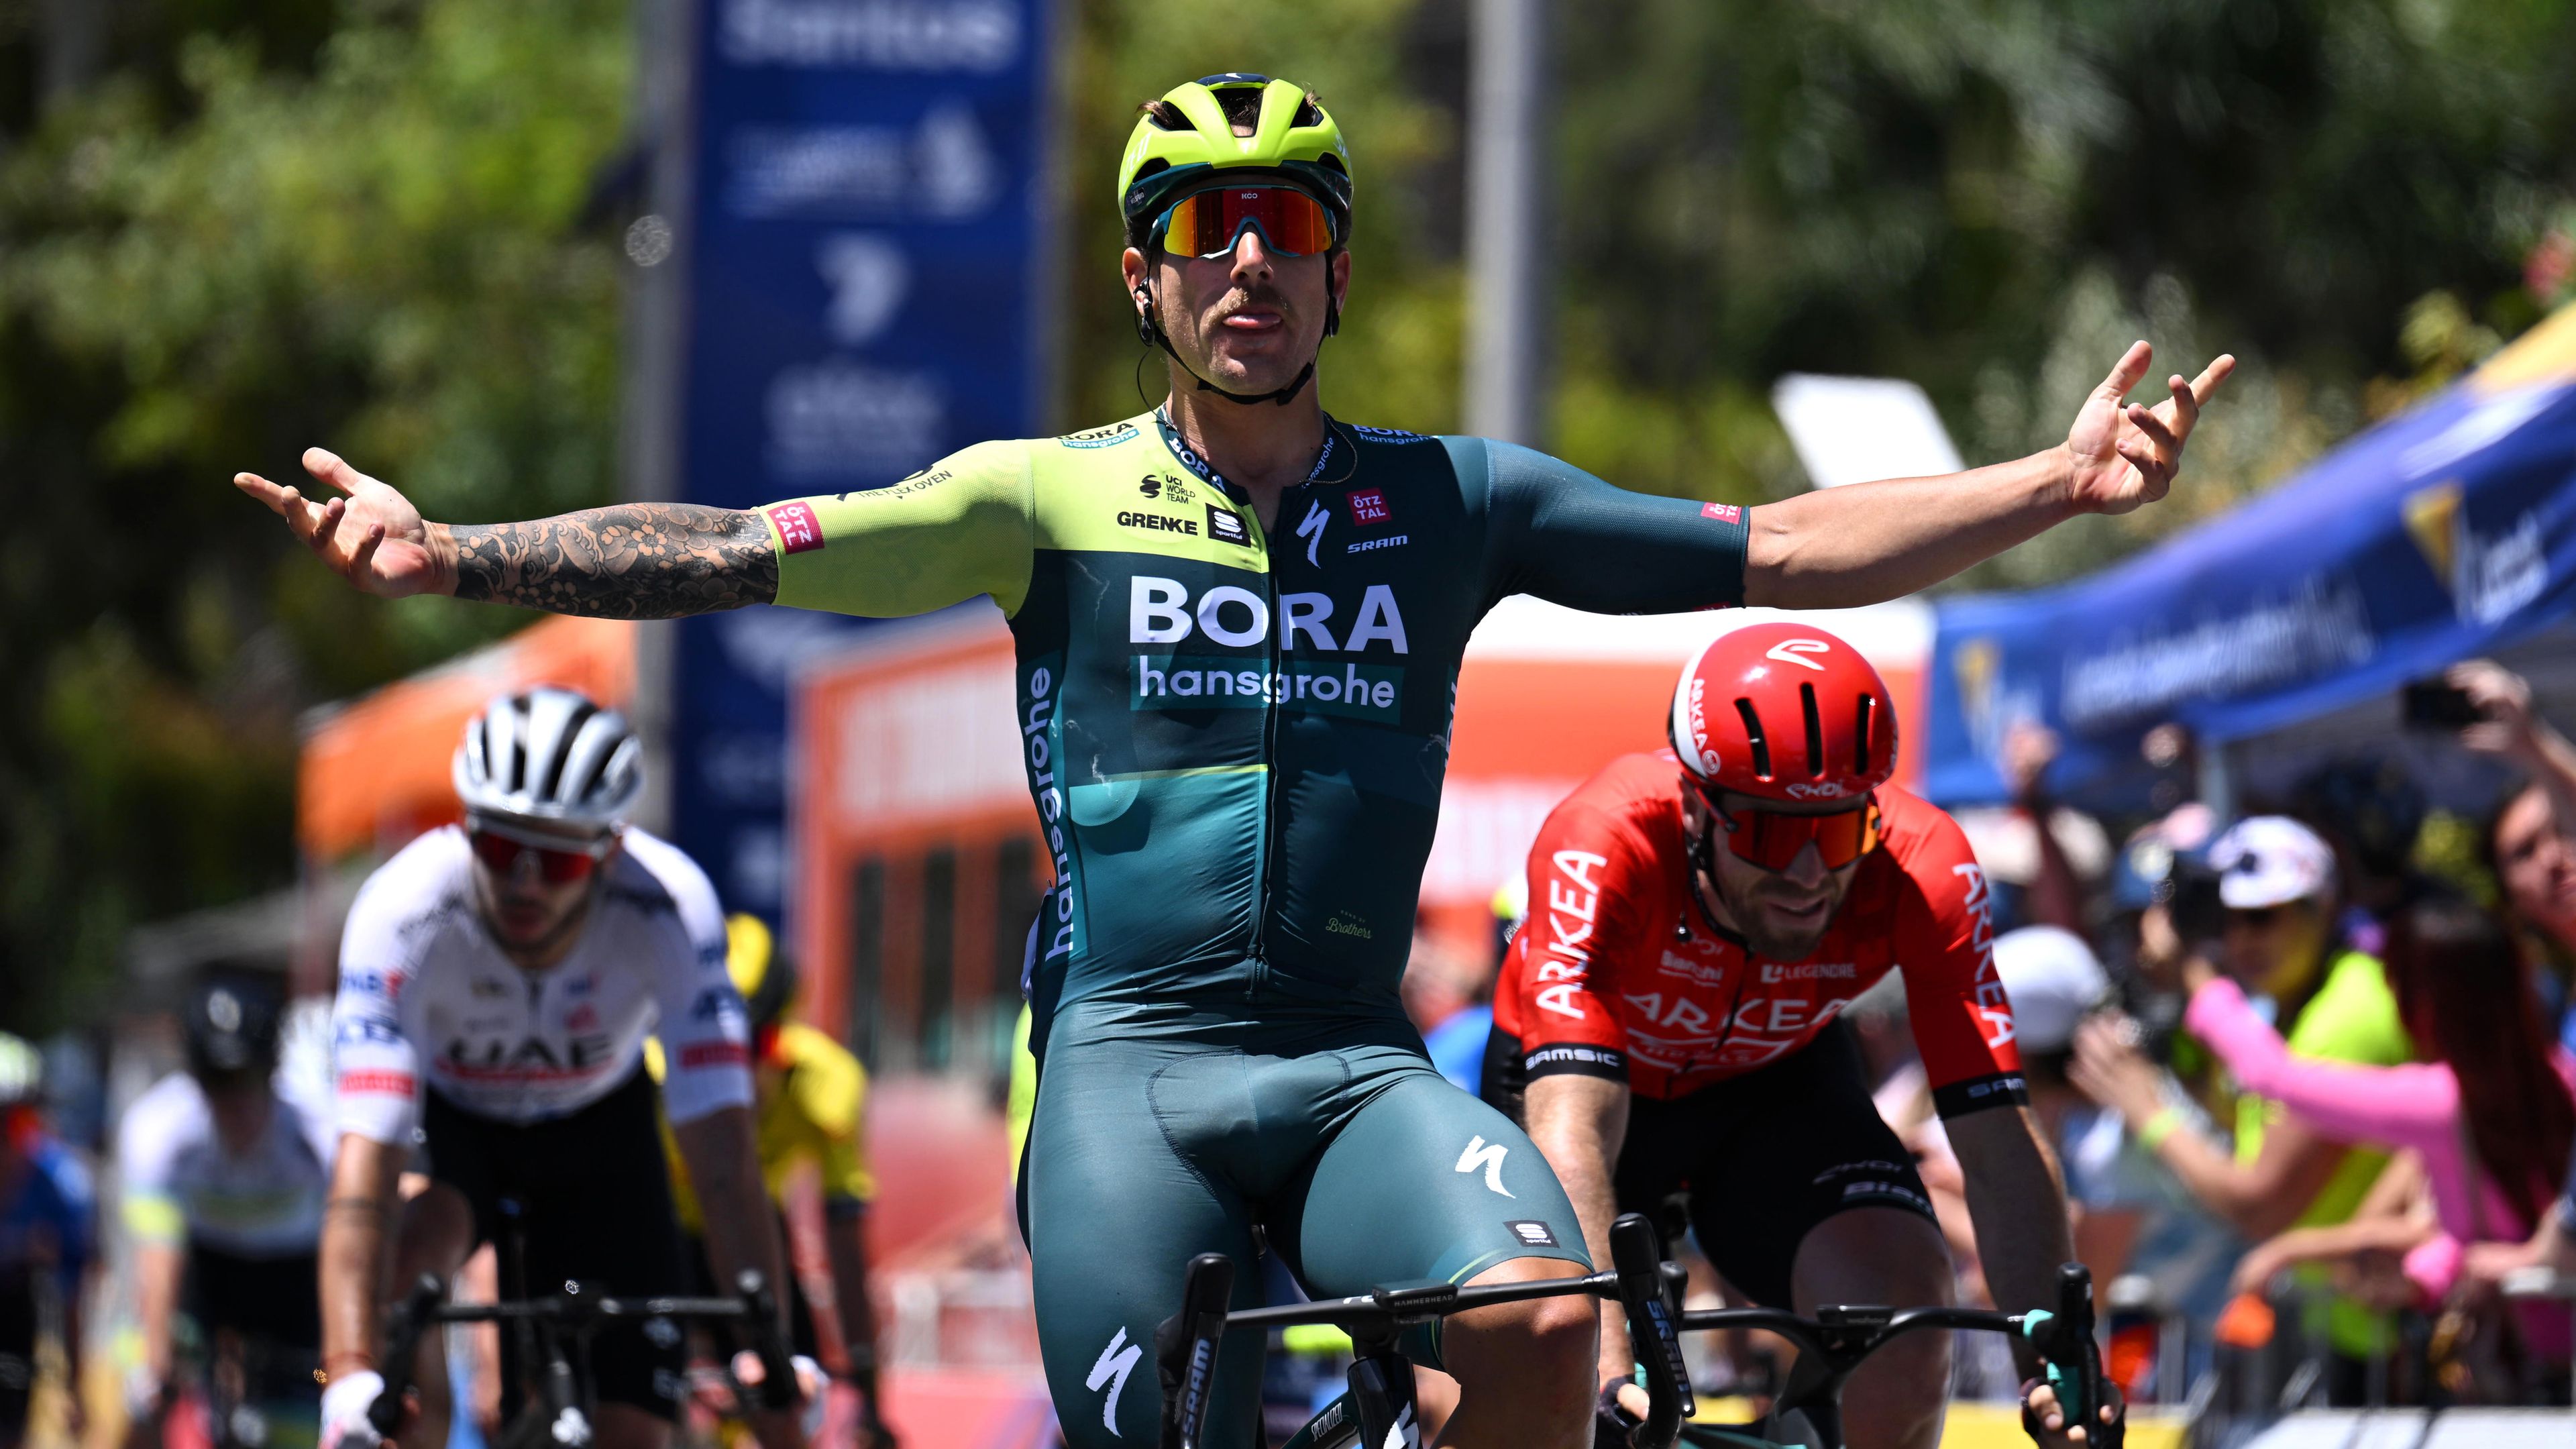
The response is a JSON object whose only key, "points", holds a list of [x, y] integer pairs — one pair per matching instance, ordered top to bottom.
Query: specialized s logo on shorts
{"points": [[1489, 1156], [1116, 1362]]}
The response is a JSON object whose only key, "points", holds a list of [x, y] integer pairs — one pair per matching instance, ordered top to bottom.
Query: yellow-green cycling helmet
{"points": [[1293, 138]]}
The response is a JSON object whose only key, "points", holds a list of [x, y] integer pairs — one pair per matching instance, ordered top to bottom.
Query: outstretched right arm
{"points": [[957, 529], [631, 561]]}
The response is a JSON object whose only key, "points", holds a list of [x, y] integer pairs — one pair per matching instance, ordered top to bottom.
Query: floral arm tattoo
{"points": [[633, 561]]}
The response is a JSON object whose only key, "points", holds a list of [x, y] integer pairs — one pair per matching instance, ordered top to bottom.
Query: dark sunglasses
{"points": [[1208, 224], [1772, 839], [501, 855], [2258, 918]]}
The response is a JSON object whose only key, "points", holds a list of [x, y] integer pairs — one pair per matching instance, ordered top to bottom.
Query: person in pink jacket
{"points": [[2493, 1119]]}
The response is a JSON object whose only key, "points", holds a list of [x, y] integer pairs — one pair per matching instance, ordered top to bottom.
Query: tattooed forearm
{"points": [[633, 561]]}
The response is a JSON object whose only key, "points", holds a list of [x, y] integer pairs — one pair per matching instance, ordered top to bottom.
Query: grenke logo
{"points": [[1161, 611]]}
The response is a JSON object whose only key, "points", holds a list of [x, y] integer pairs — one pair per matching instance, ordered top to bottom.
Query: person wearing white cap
{"points": [[2277, 882], [2132, 1215]]}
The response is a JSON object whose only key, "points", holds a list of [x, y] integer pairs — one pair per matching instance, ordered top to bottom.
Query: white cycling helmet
{"points": [[550, 755]]}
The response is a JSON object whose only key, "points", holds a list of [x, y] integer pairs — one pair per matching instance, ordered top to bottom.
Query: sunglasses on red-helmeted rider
{"points": [[1208, 224], [1772, 839], [501, 855]]}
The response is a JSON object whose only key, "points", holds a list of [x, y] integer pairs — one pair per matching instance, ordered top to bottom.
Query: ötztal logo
{"points": [[1369, 506], [1722, 512], [798, 529]]}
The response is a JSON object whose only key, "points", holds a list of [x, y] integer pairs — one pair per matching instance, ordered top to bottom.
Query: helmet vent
{"points": [[1242, 107], [1308, 113], [1165, 115], [1753, 732], [1815, 732], [1860, 734]]}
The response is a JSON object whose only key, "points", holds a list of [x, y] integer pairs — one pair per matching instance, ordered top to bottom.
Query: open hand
{"points": [[2125, 454], [370, 535], [2109, 1068]]}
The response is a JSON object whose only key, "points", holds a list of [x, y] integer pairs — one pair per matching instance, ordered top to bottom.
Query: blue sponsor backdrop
{"points": [[862, 260], [2446, 532]]}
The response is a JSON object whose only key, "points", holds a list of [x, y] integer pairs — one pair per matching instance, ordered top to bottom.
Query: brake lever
{"points": [[1654, 1329], [1185, 1349], [2072, 1362], [777, 1369], [385, 1414]]}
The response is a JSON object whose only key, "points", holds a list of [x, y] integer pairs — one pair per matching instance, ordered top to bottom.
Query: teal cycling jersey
{"points": [[1235, 735]]}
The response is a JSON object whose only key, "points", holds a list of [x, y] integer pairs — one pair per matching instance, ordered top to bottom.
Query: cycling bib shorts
{"points": [[1235, 737]]}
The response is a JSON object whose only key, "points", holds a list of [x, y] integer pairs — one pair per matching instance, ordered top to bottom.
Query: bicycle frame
{"points": [[1381, 1379]]}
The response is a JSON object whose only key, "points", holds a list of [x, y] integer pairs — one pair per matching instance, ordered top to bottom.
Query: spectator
{"points": [[2370, 810], [2531, 841], [2040, 876], [2276, 883], [1450, 999], [2492, 1117], [2132, 1215], [47, 1228]]}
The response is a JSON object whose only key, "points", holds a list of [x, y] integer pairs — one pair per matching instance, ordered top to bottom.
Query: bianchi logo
{"points": [[1100, 437], [1704, 973]]}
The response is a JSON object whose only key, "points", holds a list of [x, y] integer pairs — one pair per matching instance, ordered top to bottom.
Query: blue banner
{"points": [[862, 251], [2443, 533]]}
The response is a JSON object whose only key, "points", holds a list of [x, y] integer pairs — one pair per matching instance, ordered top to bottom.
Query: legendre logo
{"points": [[1161, 611]]}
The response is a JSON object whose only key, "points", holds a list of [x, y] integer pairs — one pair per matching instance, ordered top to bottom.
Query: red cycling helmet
{"points": [[1784, 712]]}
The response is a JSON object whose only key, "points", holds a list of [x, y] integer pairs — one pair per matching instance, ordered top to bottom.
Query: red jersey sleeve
{"points": [[1588, 872], [1945, 944]]}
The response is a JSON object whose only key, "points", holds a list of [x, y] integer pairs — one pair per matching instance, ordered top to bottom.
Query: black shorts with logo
{"points": [[1763, 1157], [594, 1203]]}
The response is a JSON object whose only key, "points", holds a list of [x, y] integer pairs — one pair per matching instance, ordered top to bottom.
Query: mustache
{"points": [[1263, 295]]}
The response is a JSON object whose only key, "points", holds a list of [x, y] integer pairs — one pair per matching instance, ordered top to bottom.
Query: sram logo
{"points": [[1161, 611]]}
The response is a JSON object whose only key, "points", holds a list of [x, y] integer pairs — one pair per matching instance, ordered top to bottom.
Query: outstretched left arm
{"points": [[1843, 547]]}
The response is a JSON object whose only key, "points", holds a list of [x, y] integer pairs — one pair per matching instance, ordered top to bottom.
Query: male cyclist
{"points": [[1239, 624], [1699, 917], [497, 982], [810, 1112], [222, 1179]]}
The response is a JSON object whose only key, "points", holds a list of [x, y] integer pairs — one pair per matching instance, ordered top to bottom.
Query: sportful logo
{"points": [[1226, 526], [1572, 903], [1489, 1156], [1116, 1362]]}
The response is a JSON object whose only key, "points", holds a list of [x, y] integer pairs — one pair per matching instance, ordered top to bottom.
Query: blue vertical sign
{"points": [[862, 254]]}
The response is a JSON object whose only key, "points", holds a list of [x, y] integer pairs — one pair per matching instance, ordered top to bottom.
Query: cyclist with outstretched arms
{"points": [[1238, 625], [497, 984], [1668, 1017]]}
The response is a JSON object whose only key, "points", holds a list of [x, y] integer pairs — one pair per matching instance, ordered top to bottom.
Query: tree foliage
{"points": [[376, 224]]}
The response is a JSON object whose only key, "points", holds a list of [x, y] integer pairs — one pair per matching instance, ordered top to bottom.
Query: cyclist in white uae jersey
{"points": [[497, 982], [221, 1171]]}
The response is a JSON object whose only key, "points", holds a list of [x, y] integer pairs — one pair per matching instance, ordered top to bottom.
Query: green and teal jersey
{"points": [[1235, 736]]}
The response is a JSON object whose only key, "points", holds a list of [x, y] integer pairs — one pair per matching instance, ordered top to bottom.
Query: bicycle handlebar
{"points": [[425, 1307], [1840, 1337], [1186, 1345]]}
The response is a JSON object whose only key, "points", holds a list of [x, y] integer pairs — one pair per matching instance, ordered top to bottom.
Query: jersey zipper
{"points": [[1269, 766]]}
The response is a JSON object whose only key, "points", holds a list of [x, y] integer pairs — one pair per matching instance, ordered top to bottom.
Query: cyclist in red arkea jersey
{"points": [[1666, 1017]]}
